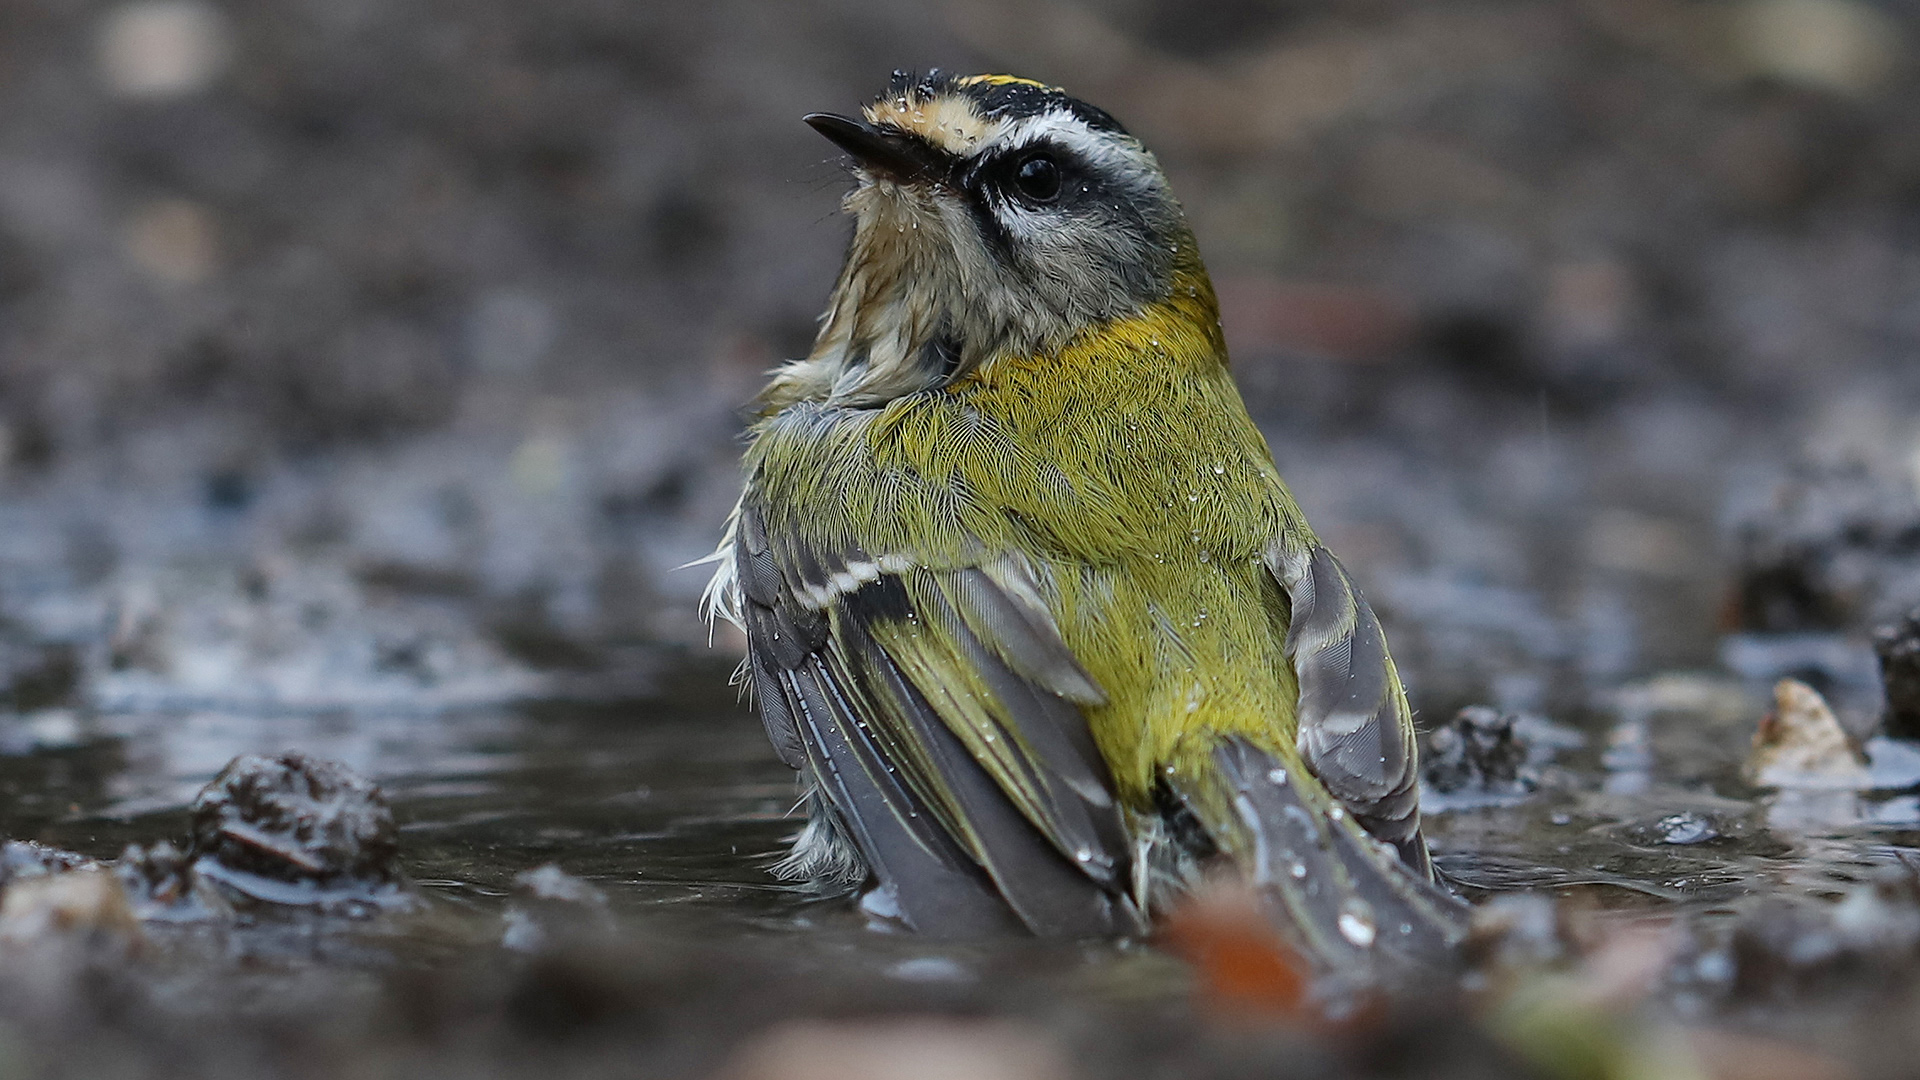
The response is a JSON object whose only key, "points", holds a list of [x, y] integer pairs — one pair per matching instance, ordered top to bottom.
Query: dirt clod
{"points": [[291, 820]]}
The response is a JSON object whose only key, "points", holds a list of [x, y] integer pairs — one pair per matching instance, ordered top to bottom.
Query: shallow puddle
{"points": [[674, 807]]}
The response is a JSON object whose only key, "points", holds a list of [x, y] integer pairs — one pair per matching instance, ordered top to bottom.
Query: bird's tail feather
{"points": [[1345, 900]]}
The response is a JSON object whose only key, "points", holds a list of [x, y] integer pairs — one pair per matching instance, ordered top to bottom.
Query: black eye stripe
{"points": [[999, 176], [991, 230]]}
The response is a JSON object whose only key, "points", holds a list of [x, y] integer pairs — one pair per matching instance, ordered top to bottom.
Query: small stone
{"points": [[1800, 744], [160, 874], [161, 884]]}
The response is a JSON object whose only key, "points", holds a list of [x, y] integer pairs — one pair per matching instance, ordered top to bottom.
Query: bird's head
{"points": [[994, 216]]}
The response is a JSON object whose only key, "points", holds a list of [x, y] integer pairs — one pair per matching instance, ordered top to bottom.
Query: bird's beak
{"points": [[882, 152]]}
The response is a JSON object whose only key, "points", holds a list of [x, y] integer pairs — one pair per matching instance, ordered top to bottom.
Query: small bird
{"points": [[1026, 600]]}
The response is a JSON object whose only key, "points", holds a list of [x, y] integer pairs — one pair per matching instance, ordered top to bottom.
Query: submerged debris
{"points": [[1898, 647], [1800, 744], [285, 830], [295, 831], [551, 907], [1514, 932], [1871, 935], [1582, 1018]]}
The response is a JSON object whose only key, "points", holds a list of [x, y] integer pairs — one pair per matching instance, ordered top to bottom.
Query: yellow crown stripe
{"points": [[1004, 80]]}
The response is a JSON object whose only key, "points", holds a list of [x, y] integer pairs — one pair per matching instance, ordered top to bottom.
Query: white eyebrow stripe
{"points": [[1065, 129]]}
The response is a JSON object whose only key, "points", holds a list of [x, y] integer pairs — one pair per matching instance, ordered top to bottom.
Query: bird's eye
{"points": [[1037, 178]]}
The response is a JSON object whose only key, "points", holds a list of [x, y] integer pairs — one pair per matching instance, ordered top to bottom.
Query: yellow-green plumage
{"points": [[1142, 490], [1021, 582]]}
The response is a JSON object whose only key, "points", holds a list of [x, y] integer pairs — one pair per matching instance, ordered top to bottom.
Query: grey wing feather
{"points": [[763, 591], [1022, 632], [1355, 726], [1074, 788], [936, 830], [927, 881], [1052, 896]]}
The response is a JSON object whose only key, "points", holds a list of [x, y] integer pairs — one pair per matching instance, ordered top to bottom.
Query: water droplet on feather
{"points": [[1356, 923]]}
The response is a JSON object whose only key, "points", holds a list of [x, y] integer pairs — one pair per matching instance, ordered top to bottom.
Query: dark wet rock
{"points": [[1838, 548], [1898, 647], [1478, 752], [292, 830], [552, 906]]}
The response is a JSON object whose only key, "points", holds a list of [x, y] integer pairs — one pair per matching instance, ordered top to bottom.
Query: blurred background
{"points": [[390, 355], [370, 370]]}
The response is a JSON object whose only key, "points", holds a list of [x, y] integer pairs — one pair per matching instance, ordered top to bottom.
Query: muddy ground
{"points": [[367, 372]]}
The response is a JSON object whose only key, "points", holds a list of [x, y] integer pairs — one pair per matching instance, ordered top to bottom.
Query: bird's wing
{"points": [[938, 711], [1355, 726]]}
